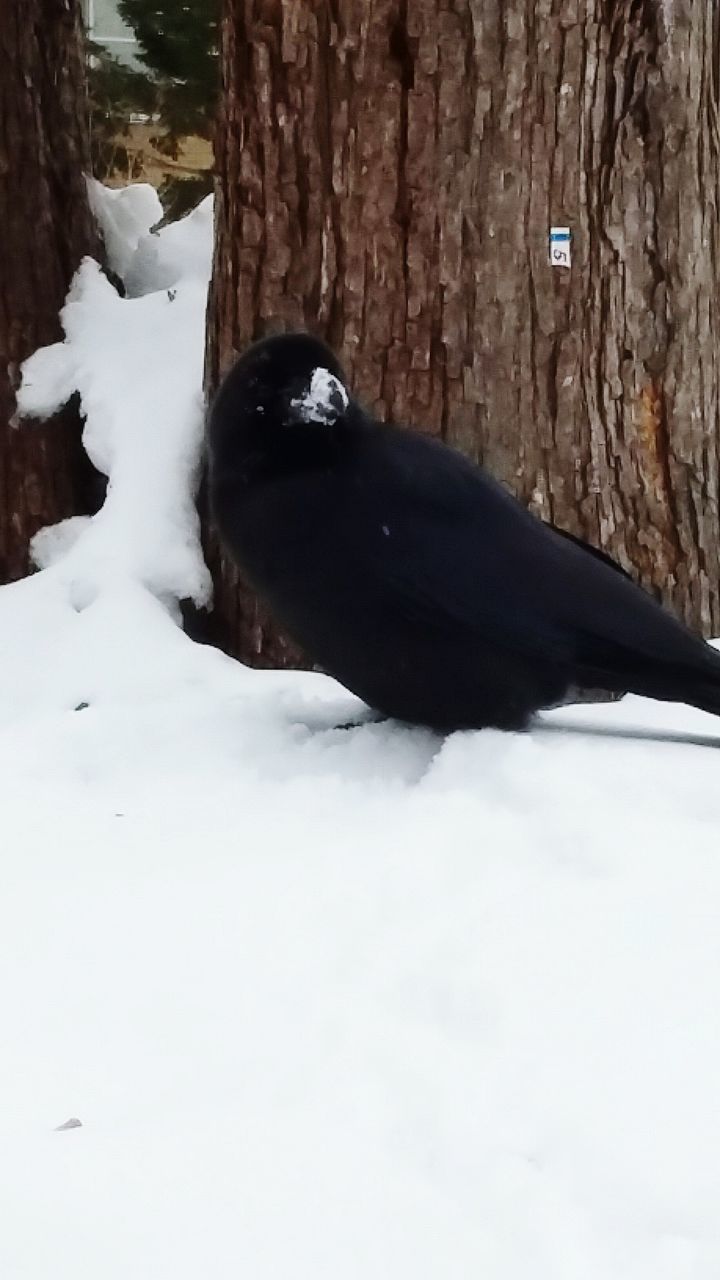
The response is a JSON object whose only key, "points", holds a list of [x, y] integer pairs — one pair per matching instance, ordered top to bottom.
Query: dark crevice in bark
{"points": [[401, 61]]}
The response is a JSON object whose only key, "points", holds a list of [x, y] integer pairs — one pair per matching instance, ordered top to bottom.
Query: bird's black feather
{"points": [[409, 574]]}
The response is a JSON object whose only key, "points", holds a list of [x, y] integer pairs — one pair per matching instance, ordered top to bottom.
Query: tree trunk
{"points": [[389, 172], [46, 229]]}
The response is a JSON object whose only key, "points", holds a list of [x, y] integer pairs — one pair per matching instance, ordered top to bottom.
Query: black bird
{"points": [[409, 574]]}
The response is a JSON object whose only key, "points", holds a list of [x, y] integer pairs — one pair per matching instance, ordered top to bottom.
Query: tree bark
{"points": [[388, 175], [46, 229]]}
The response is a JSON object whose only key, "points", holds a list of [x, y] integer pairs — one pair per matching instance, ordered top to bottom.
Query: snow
{"points": [[125, 216], [187, 242], [147, 258], [137, 364], [323, 399], [326, 1002]]}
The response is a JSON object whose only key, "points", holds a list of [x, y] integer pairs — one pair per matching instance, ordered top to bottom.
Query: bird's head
{"points": [[292, 376], [281, 400]]}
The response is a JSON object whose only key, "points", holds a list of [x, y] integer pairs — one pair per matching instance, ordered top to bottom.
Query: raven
{"points": [[409, 574]]}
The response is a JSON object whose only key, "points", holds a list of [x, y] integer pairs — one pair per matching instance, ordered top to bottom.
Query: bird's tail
{"points": [[694, 680], [695, 688], [706, 696]]}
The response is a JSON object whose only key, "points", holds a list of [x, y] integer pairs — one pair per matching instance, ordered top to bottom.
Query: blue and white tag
{"points": [[560, 246]]}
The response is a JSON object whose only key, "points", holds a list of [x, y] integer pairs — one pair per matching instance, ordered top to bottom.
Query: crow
{"points": [[409, 574]]}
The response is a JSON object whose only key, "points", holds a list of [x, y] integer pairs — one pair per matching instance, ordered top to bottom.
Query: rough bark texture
{"points": [[389, 171], [46, 228]]}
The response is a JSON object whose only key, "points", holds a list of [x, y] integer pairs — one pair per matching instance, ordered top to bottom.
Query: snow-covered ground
{"points": [[330, 1004]]}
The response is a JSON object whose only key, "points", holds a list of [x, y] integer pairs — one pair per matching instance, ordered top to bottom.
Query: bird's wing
{"points": [[453, 550], [591, 550], [462, 552]]}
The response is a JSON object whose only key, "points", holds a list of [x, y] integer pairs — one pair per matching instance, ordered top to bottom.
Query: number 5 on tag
{"points": [[560, 246]]}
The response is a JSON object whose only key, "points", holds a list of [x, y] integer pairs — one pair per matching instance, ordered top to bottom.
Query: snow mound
{"points": [[125, 216], [180, 251], [148, 258], [137, 364], [55, 541]]}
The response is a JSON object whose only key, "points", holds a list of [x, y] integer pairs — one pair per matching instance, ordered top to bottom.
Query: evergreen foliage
{"points": [[179, 46], [176, 91], [117, 94]]}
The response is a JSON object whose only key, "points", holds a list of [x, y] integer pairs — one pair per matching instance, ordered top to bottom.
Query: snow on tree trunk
{"points": [[389, 174], [46, 229]]}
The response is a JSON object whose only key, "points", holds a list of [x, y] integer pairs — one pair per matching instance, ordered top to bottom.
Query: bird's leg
{"points": [[373, 717]]}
